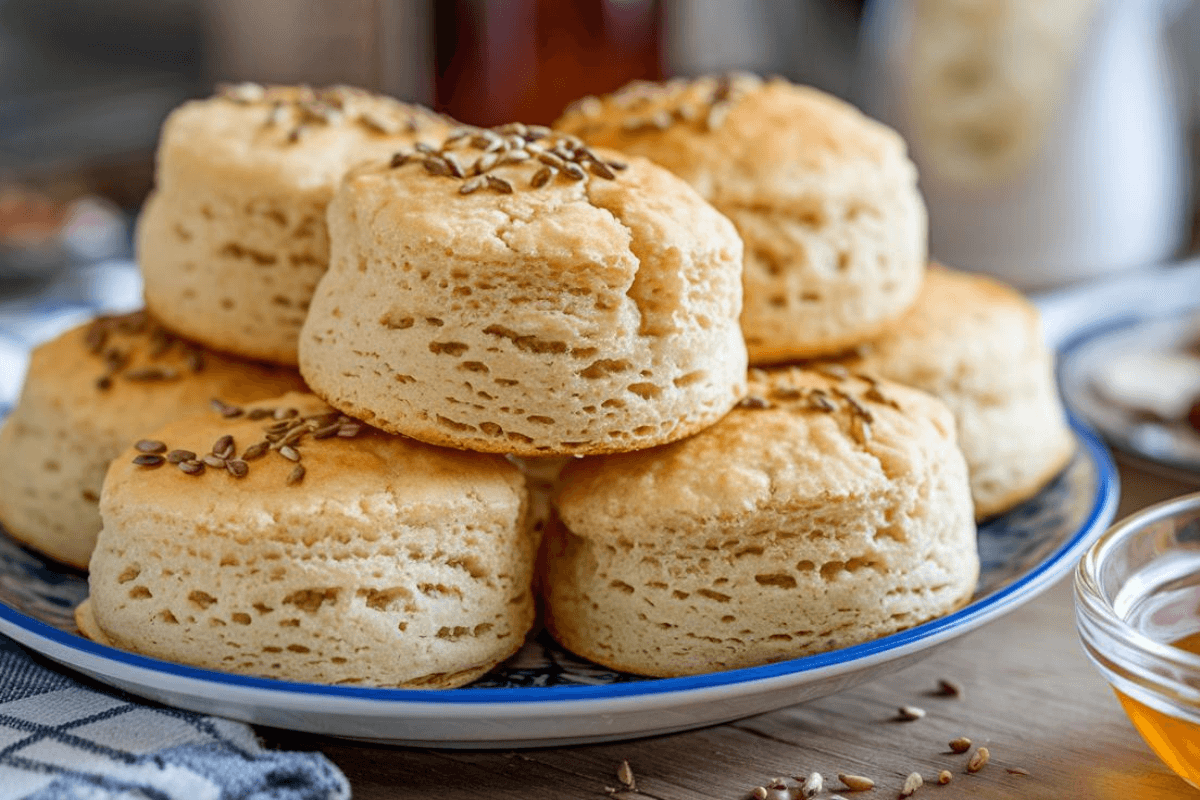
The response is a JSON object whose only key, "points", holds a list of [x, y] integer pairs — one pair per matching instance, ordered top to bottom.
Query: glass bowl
{"points": [[1137, 607]]}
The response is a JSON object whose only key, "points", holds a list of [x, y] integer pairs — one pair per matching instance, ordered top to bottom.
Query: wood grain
{"points": [[1030, 696]]}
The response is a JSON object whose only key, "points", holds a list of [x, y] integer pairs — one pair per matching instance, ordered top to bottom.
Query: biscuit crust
{"points": [[825, 199], [232, 242], [579, 315], [977, 344], [56, 444], [823, 512], [390, 563]]}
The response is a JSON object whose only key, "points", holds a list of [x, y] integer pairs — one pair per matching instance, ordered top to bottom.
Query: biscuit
{"points": [[825, 199], [232, 241], [562, 302], [977, 345], [88, 395], [823, 512], [385, 562]]}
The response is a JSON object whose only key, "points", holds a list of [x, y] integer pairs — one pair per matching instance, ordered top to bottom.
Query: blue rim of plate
{"points": [[1103, 505]]}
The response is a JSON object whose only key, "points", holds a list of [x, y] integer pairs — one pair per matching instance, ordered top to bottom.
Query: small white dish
{"points": [[1049, 137], [1086, 382]]}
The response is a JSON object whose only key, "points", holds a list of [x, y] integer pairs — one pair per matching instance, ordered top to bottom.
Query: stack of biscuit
{"points": [[826, 202], [231, 245], [490, 292], [591, 295]]}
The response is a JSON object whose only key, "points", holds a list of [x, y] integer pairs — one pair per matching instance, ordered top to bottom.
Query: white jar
{"points": [[1048, 135]]}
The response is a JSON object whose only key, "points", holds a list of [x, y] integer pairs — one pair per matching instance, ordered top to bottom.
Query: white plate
{"points": [[543, 696]]}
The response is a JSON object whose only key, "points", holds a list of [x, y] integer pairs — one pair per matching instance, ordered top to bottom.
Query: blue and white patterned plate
{"points": [[542, 696], [545, 696]]}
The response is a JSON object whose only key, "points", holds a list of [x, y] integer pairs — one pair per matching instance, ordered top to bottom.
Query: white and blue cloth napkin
{"points": [[64, 739]]}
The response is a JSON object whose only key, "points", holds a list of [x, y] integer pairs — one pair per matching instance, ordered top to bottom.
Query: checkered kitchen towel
{"points": [[61, 739]]}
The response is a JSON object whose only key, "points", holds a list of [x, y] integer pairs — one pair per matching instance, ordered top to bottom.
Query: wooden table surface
{"points": [[1030, 696]]}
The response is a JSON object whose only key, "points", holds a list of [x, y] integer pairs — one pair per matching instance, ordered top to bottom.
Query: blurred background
{"points": [[1053, 138]]}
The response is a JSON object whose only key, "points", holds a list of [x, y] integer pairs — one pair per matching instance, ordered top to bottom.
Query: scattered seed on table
{"points": [[979, 760], [625, 775], [913, 782], [856, 783]]}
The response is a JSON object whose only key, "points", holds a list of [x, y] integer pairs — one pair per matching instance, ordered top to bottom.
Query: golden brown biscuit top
{"points": [[643, 107], [295, 135], [734, 137], [505, 159], [563, 214], [957, 307], [966, 333], [133, 348], [128, 360], [799, 438], [296, 455]]}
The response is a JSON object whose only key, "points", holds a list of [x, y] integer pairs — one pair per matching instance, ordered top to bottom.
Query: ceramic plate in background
{"points": [[1086, 361]]}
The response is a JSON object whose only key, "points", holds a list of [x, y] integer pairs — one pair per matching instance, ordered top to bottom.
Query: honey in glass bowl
{"points": [[1137, 601], [1175, 741]]}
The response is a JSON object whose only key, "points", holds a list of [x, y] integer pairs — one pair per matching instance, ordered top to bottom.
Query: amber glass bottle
{"points": [[526, 60]]}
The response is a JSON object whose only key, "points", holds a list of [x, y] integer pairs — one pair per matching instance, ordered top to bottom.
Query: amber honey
{"points": [[1175, 741]]}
